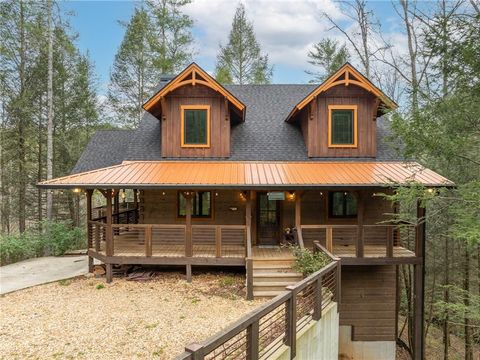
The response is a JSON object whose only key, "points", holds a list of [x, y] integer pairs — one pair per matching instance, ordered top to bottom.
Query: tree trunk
{"points": [[50, 109], [40, 164], [22, 173], [446, 300], [466, 303]]}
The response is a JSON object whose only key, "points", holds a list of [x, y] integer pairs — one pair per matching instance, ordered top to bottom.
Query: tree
{"points": [[172, 35], [360, 36], [157, 41], [329, 56], [241, 60], [133, 76], [50, 108]]}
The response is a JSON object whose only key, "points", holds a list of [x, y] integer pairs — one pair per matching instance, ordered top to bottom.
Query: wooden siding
{"points": [[314, 122], [219, 123], [156, 208], [368, 302]]}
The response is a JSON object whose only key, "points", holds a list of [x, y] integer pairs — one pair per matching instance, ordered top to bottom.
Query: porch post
{"points": [[89, 193], [117, 207], [360, 215], [298, 217], [188, 232], [109, 234], [249, 260], [419, 286]]}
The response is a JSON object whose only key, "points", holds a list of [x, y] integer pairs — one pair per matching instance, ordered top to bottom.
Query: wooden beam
{"points": [[89, 193], [298, 217], [360, 219], [248, 223], [188, 224], [420, 231], [109, 233], [329, 238], [148, 241], [389, 244], [249, 268], [109, 272], [189, 272], [419, 286], [253, 341]]}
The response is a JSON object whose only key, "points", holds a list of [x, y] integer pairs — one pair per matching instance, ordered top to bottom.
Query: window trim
{"points": [[354, 108], [182, 127], [330, 206], [212, 207]]}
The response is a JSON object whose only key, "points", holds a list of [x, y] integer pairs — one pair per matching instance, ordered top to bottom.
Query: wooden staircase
{"points": [[272, 275]]}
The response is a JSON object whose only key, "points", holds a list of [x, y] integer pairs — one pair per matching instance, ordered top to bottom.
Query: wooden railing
{"points": [[357, 237], [169, 240], [276, 323]]}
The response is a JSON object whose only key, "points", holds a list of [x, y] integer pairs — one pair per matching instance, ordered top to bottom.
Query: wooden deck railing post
{"points": [[88, 194], [360, 215], [298, 218], [188, 224], [329, 238], [148, 241], [218, 241], [389, 250], [249, 268], [338, 276], [317, 300], [291, 321], [253, 341], [196, 350]]}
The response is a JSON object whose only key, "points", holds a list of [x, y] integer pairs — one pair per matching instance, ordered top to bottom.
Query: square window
{"points": [[195, 126], [342, 126], [342, 204], [201, 205]]}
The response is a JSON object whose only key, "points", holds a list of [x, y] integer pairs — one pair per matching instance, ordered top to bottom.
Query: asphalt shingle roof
{"points": [[263, 136]]}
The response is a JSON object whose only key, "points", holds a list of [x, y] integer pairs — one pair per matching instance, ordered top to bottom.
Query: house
{"points": [[222, 175]]}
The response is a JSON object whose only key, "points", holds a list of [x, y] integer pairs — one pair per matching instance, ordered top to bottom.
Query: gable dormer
{"points": [[196, 114], [338, 118]]}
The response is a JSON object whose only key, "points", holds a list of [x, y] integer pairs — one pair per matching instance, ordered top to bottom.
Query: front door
{"points": [[268, 220]]}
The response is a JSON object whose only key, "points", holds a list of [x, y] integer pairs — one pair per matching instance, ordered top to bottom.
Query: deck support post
{"points": [[88, 194], [116, 207], [360, 215], [298, 218], [109, 231], [188, 270], [109, 273], [419, 285], [291, 319]]}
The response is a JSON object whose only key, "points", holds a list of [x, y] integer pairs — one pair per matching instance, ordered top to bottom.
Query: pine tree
{"points": [[172, 35], [329, 56], [241, 60], [133, 76]]}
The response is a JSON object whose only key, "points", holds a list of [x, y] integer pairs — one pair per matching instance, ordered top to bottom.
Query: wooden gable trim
{"points": [[193, 75], [350, 77]]}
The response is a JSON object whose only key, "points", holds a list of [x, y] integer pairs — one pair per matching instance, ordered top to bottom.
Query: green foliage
{"points": [[329, 56], [241, 60], [54, 238], [307, 262], [100, 287]]}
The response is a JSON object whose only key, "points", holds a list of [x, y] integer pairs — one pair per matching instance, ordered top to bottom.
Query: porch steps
{"points": [[271, 276]]}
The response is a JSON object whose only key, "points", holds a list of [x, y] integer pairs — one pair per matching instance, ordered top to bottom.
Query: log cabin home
{"points": [[223, 175]]}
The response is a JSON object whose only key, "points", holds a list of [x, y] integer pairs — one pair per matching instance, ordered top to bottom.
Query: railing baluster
{"points": [[97, 237], [329, 238], [148, 241], [218, 241], [389, 250], [317, 305], [291, 321], [253, 341]]}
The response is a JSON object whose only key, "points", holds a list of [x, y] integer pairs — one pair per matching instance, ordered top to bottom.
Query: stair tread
{"points": [[268, 266], [276, 274], [274, 283], [267, 293]]}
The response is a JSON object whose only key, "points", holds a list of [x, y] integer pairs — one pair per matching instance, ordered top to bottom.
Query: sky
{"points": [[286, 30]]}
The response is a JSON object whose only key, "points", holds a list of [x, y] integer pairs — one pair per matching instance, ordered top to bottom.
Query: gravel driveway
{"points": [[86, 318]]}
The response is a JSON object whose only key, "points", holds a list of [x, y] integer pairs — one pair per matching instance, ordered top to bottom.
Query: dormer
{"points": [[196, 115], [338, 118]]}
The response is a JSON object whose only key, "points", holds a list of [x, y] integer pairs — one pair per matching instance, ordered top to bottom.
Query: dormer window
{"points": [[342, 126], [195, 127]]}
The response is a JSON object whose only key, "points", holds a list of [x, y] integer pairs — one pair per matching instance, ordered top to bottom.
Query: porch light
{"points": [[76, 190], [431, 190], [163, 193], [216, 193], [321, 193], [123, 195], [291, 195], [243, 196]]}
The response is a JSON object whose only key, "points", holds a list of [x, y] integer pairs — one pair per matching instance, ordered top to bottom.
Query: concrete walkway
{"points": [[38, 271]]}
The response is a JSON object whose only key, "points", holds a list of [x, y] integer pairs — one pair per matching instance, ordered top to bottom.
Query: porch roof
{"points": [[253, 175]]}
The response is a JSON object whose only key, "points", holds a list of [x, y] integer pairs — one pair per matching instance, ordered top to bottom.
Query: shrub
{"points": [[53, 238], [307, 262]]}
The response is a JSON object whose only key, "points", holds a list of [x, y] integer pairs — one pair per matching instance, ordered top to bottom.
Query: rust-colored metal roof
{"points": [[288, 175]]}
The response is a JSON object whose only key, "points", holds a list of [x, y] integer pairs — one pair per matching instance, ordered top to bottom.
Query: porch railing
{"points": [[357, 237], [169, 240], [276, 323]]}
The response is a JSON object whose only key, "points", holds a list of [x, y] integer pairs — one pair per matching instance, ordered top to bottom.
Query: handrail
{"points": [[288, 309]]}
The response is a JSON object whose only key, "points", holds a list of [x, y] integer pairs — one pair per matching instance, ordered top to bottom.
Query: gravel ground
{"points": [[85, 318]]}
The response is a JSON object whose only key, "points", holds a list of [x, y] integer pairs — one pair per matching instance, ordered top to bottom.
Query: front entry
{"points": [[268, 220]]}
